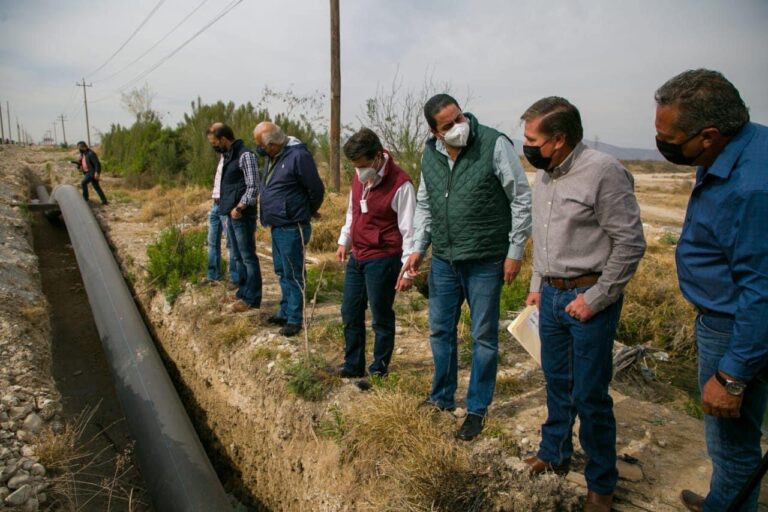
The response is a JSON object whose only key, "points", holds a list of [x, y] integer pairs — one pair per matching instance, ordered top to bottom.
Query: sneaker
{"points": [[242, 307], [277, 320], [289, 330], [434, 406], [471, 428]]}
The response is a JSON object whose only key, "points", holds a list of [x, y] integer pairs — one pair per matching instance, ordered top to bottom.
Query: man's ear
{"points": [[710, 136], [559, 141]]}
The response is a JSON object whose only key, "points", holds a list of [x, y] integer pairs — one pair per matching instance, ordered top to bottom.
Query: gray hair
{"points": [[705, 99], [558, 116], [273, 135]]}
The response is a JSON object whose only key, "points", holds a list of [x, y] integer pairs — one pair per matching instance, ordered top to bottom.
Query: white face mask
{"points": [[458, 135], [366, 174]]}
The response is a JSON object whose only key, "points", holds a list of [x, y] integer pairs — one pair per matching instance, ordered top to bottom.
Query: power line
{"points": [[141, 25], [137, 59], [144, 74]]}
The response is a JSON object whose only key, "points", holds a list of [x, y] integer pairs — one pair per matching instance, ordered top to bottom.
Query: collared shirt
{"points": [[509, 171], [251, 173], [217, 179], [403, 203], [586, 220], [722, 255]]}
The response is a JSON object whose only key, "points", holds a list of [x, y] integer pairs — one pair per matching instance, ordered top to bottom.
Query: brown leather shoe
{"points": [[241, 307], [539, 466], [692, 501], [598, 502]]}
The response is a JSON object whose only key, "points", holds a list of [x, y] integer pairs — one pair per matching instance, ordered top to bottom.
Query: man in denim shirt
{"points": [[722, 266]]}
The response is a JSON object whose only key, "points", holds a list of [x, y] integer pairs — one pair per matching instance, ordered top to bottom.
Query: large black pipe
{"points": [[171, 458]]}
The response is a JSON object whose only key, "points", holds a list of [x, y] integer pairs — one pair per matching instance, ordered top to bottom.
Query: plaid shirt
{"points": [[251, 173]]}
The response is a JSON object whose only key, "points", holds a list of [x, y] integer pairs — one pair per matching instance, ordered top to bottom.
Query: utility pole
{"points": [[335, 97], [85, 100], [8, 115], [2, 127], [18, 132], [63, 132], [55, 136]]}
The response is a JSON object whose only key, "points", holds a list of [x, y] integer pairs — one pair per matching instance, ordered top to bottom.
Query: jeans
{"points": [[90, 178], [216, 226], [242, 235], [288, 258], [479, 281], [369, 282], [577, 361], [733, 443]]}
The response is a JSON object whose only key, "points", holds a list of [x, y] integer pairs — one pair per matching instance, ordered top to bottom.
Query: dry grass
{"points": [[187, 204], [326, 229], [232, 332]]}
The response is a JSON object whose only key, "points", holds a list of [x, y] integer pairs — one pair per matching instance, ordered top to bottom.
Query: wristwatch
{"points": [[733, 387]]}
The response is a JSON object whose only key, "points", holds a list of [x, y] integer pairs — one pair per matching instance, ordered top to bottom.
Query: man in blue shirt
{"points": [[722, 266]]}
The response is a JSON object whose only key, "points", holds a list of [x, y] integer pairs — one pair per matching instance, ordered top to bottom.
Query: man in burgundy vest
{"points": [[379, 232]]}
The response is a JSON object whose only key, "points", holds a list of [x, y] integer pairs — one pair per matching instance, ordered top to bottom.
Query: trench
{"points": [[84, 379]]}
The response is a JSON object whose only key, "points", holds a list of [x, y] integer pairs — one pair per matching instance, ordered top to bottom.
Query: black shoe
{"points": [[277, 320], [289, 330], [343, 372], [379, 375], [429, 404], [471, 428]]}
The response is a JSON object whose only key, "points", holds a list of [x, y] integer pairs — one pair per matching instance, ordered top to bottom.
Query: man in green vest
{"points": [[474, 207]]}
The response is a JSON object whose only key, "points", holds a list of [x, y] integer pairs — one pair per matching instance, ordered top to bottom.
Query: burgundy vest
{"points": [[375, 234]]}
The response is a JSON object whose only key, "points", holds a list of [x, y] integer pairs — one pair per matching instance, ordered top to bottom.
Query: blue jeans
{"points": [[90, 177], [216, 226], [242, 235], [288, 258], [479, 281], [369, 282], [577, 361], [733, 443]]}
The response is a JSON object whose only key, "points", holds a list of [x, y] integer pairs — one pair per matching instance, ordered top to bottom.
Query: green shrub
{"points": [[176, 257], [513, 296], [309, 379]]}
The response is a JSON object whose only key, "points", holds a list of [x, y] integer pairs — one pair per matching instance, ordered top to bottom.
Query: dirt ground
{"points": [[267, 444]]}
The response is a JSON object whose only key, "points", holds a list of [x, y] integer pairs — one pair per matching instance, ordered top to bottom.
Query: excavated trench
{"points": [[83, 376]]}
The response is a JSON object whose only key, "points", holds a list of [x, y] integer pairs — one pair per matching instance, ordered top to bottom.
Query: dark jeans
{"points": [[89, 178], [216, 226], [242, 235], [288, 258], [479, 281], [369, 282], [577, 361], [733, 443]]}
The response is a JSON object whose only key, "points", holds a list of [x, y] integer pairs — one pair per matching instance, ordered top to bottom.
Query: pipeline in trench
{"points": [[177, 474]]}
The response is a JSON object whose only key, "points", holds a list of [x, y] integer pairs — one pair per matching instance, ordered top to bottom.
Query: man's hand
{"points": [[96, 176], [233, 213], [316, 215], [341, 253], [413, 263], [511, 269], [403, 283], [533, 299], [578, 309], [716, 401]]}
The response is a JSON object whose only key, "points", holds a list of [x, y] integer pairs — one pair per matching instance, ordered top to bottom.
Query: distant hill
{"points": [[616, 151]]}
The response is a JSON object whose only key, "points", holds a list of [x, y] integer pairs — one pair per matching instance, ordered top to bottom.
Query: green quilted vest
{"points": [[470, 210]]}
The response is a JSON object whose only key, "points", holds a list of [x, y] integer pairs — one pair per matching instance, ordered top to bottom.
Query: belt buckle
{"points": [[568, 283]]}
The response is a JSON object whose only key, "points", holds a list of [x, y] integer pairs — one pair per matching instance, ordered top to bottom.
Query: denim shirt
{"points": [[722, 255]]}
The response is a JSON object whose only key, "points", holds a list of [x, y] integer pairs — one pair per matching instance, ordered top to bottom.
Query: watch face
{"points": [[735, 388]]}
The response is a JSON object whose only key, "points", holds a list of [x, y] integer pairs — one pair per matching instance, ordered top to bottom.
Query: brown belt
{"points": [[565, 283]]}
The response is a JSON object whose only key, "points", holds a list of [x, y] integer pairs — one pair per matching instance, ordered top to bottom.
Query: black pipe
{"points": [[173, 463]]}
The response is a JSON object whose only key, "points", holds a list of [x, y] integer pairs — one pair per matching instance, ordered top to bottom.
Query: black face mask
{"points": [[219, 149], [83, 151], [261, 151], [674, 152], [533, 155]]}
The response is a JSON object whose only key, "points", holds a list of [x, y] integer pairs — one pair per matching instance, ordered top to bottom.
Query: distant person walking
{"points": [[91, 167], [239, 185], [291, 194], [218, 223], [378, 237], [722, 266]]}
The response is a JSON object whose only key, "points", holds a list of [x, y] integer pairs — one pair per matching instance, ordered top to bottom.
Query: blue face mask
{"points": [[261, 151]]}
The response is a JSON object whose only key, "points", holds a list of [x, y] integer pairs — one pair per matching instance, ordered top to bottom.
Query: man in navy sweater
{"points": [[291, 194]]}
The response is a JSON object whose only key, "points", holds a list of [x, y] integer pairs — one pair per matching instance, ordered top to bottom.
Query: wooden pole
{"points": [[335, 98], [85, 100]]}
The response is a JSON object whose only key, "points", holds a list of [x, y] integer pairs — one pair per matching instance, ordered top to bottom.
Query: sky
{"points": [[606, 56]]}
